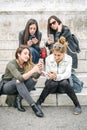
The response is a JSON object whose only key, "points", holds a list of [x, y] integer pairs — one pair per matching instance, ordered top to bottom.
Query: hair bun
{"points": [[62, 40]]}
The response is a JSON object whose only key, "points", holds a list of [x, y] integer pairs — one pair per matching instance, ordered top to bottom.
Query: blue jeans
{"points": [[35, 55]]}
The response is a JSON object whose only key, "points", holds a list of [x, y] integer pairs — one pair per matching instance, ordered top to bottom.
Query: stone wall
{"points": [[14, 15]]}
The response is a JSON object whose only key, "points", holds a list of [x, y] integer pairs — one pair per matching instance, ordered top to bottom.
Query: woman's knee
{"points": [[64, 82], [30, 84], [50, 84]]}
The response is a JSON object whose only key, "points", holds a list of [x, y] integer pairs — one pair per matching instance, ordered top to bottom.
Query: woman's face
{"points": [[53, 24], [32, 29], [24, 55], [58, 56]]}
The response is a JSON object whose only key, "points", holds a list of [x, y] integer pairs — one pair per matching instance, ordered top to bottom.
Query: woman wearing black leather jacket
{"points": [[56, 28]]}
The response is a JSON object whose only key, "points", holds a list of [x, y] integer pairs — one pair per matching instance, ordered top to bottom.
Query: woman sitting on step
{"points": [[58, 71], [16, 81]]}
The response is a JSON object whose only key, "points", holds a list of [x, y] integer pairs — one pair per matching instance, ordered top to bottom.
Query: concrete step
{"points": [[81, 76], [52, 99]]}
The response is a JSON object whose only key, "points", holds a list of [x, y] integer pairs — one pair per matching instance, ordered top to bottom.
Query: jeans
{"points": [[35, 55], [52, 86], [22, 88]]}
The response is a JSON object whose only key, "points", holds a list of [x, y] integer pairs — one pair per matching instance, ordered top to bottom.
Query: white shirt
{"points": [[63, 69]]}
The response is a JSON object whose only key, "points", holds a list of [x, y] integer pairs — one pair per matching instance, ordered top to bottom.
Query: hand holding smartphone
{"points": [[51, 38]]}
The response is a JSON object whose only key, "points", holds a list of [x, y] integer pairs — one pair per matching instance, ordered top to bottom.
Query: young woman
{"points": [[57, 29], [31, 36], [58, 71], [19, 81]]}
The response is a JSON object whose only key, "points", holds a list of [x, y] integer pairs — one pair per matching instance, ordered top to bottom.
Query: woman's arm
{"points": [[21, 77]]}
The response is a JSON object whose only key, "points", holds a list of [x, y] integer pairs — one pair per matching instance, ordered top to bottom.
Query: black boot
{"points": [[18, 103], [37, 110]]}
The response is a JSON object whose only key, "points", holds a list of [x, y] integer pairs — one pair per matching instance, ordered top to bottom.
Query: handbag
{"points": [[43, 52], [76, 83], [1, 86]]}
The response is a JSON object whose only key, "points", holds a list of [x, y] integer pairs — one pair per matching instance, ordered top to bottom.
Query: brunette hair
{"points": [[49, 29], [26, 33], [60, 45], [20, 49], [29, 64]]}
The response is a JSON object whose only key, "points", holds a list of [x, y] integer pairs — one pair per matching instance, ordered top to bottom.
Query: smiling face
{"points": [[53, 24], [32, 29], [24, 55], [58, 56]]}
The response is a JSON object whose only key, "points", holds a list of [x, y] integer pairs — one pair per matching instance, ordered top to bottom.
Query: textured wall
{"points": [[14, 15]]}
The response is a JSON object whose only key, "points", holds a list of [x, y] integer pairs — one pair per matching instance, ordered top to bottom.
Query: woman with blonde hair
{"points": [[58, 71]]}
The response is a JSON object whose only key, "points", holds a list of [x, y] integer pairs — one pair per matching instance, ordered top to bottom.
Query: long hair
{"points": [[49, 29], [26, 33], [29, 64]]}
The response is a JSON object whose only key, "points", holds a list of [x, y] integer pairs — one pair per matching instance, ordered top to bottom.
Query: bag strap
{"points": [[71, 50]]}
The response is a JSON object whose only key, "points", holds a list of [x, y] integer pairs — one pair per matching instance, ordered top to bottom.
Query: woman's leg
{"points": [[35, 55], [30, 84], [65, 85], [12, 87], [50, 87], [9, 88], [23, 91], [70, 92]]}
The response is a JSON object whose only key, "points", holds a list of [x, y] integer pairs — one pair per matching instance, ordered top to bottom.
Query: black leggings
{"points": [[63, 86], [22, 88]]}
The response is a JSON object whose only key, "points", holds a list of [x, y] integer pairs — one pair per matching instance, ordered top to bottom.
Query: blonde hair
{"points": [[60, 45]]}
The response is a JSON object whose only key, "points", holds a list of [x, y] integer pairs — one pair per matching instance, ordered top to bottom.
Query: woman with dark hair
{"points": [[57, 29], [31, 36], [58, 71], [19, 81]]}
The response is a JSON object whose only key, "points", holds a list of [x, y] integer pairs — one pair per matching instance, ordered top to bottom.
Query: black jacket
{"points": [[73, 44]]}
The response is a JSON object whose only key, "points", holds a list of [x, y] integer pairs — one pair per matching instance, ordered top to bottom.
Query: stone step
{"points": [[81, 76], [42, 79], [53, 99]]}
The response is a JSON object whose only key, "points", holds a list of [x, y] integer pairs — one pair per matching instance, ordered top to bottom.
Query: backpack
{"points": [[76, 43]]}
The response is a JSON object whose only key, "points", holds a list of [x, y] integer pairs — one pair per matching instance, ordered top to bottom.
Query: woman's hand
{"points": [[60, 27], [34, 40], [50, 40], [29, 43], [38, 67], [52, 75], [17, 81]]}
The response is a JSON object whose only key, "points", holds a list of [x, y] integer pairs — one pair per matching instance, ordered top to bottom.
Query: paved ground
{"points": [[56, 118]]}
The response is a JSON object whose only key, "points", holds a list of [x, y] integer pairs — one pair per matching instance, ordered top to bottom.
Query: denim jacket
{"points": [[63, 69]]}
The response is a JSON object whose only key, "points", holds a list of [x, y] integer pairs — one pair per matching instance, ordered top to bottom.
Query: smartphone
{"points": [[32, 36], [51, 36]]}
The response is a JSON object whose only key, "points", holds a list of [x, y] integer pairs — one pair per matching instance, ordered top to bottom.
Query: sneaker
{"points": [[77, 111]]}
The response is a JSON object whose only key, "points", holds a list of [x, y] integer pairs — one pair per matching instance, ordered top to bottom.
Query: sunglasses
{"points": [[52, 23], [58, 46]]}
